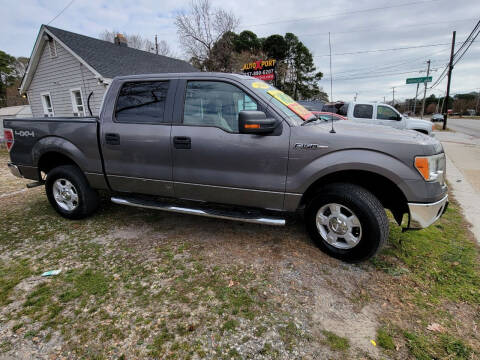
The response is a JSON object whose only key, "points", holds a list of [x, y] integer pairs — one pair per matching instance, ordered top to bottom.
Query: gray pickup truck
{"points": [[233, 147]]}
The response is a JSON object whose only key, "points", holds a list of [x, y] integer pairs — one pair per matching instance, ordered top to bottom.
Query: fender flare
{"points": [[60, 145], [375, 162]]}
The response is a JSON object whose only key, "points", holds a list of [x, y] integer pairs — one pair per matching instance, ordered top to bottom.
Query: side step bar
{"points": [[247, 216]]}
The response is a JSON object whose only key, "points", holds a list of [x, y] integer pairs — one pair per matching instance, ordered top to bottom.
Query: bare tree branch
{"points": [[200, 28]]}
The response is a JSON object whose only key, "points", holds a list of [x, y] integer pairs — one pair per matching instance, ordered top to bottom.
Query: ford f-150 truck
{"points": [[233, 147]]}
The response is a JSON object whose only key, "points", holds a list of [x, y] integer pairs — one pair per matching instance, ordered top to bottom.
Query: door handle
{"points": [[112, 139], [182, 142]]}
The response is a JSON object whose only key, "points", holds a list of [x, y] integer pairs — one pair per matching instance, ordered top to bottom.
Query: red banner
{"points": [[265, 77]]}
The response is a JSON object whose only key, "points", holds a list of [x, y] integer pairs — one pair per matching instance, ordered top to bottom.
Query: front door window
{"points": [[214, 103]]}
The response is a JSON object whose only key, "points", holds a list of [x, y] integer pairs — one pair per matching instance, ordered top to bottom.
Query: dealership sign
{"points": [[261, 69]]}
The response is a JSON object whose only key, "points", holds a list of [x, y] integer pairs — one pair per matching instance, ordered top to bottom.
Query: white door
{"points": [[388, 116]]}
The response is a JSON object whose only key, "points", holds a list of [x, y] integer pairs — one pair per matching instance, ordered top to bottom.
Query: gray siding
{"points": [[58, 75]]}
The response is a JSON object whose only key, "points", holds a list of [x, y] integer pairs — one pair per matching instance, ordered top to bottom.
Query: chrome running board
{"points": [[248, 216]]}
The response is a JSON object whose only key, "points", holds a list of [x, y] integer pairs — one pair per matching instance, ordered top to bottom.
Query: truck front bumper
{"points": [[14, 170], [423, 215]]}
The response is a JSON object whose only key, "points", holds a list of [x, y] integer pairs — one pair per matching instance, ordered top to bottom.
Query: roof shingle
{"points": [[112, 60]]}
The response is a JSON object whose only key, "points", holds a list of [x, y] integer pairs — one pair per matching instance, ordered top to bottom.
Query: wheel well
{"points": [[51, 160], [386, 191]]}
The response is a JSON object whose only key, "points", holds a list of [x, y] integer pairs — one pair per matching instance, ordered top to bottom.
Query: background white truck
{"points": [[382, 114]]}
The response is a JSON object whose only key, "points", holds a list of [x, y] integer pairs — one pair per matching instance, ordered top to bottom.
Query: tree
{"points": [[201, 28], [247, 41], [138, 42], [275, 47], [221, 58], [8, 75], [299, 78]]}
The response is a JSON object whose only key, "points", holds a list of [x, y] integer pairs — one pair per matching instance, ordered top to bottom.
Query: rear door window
{"points": [[142, 102], [363, 111]]}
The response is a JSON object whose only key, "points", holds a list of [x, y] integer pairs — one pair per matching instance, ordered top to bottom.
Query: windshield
{"points": [[281, 101]]}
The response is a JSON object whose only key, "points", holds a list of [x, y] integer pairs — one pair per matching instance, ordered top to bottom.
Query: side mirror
{"points": [[255, 122]]}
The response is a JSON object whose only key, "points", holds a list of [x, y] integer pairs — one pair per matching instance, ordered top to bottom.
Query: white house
{"points": [[66, 68]]}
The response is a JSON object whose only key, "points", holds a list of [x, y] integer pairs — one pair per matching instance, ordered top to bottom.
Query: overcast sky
{"points": [[355, 26]]}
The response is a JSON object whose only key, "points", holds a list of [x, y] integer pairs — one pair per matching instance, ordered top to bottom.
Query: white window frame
{"points": [[74, 102], [46, 113]]}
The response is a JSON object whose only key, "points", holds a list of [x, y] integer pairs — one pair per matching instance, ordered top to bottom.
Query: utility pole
{"points": [[156, 45], [450, 68], [425, 90], [393, 92], [356, 94], [384, 99], [478, 101], [415, 103], [441, 107]]}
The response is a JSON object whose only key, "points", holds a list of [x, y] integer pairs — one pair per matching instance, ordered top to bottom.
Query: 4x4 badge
{"points": [[309, 146]]}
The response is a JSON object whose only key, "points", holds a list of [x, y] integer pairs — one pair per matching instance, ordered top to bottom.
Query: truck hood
{"points": [[418, 123], [398, 143]]}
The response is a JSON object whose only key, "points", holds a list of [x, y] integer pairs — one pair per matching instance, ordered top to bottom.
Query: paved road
{"points": [[469, 127], [463, 167]]}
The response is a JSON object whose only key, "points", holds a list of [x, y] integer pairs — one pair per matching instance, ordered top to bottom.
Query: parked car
{"points": [[384, 114], [328, 116], [437, 117], [233, 147]]}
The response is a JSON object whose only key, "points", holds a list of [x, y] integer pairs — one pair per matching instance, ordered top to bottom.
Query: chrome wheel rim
{"points": [[65, 194], [339, 226]]}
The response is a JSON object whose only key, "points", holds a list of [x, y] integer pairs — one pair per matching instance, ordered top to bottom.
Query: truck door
{"points": [[363, 113], [385, 115], [135, 137], [212, 162]]}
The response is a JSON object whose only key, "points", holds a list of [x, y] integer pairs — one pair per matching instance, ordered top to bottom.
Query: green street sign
{"points": [[419, 80]]}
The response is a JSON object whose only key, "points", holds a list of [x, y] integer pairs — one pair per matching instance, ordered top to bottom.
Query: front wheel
{"points": [[69, 192], [347, 222]]}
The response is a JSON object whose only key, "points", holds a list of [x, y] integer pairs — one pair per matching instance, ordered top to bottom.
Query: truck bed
{"points": [[35, 137]]}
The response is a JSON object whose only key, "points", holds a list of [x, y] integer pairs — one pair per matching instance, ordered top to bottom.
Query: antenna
{"points": [[332, 131]]}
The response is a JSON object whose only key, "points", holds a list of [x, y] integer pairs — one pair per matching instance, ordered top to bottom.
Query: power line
{"points": [[61, 12], [343, 13], [369, 29], [467, 39], [470, 39], [466, 49], [383, 50], [403, 61], [373, 76]]}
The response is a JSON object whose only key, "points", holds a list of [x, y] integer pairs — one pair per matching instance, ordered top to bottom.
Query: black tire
{"points": [[88, 198], [368, 210]]}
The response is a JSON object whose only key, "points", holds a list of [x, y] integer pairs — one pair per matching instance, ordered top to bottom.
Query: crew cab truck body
{"points": [[384, 114], [231, 146]]}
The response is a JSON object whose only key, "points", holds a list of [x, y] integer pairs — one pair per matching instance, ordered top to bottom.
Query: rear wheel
{"points": [[69, 192], [347, 222]]}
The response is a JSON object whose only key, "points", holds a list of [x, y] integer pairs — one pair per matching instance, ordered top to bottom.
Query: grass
{"points": [[442, 259], [442, 267], [12, 274], [164, 297], [384, 339], [335, 342]]}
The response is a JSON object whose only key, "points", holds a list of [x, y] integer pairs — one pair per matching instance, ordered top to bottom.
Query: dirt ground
{"points": [[146, 284]]}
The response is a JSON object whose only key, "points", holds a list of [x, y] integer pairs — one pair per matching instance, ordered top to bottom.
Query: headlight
{"points": [[432, 168]]}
